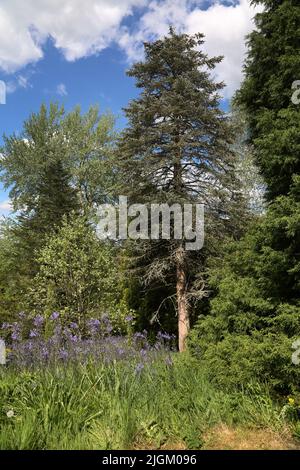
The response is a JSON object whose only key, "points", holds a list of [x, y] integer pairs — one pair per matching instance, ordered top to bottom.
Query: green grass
{"points": [[113, 407]]}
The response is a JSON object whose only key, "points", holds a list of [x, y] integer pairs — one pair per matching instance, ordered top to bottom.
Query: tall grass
{"points": [[117, 406]]}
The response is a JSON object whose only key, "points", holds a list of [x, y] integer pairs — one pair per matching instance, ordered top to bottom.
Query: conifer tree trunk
{"points": [[181, 265], [182, 304]]}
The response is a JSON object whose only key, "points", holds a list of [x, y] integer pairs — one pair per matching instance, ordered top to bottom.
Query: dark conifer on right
{"points": [[256, 314]]}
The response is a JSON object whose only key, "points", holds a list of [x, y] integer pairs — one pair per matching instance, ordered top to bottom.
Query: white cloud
{"points": [[153, 24], [224, 27], [77, 28], [80, 29], [17, 47], [20, 81], [61, 89], [5, 206]]}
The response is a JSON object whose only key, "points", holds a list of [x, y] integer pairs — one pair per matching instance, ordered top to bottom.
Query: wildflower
{"points": [[54, 316], [129, 318], [38, 320], [94, 322], [106, 323], [73, 325], [93, 325], [16, 331], [33, 334], [139, 335], [162, 335], [16, 336], [73, 338], [44, 352], [63, 354], [139, 368], [291, 401], [10, 414]]}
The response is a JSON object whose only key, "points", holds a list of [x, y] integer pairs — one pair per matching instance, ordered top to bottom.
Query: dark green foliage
{"points": [[272, 65], [176, 125], [34, 168], [55, 198], [13, 278], [155, 302], [255, 315]]}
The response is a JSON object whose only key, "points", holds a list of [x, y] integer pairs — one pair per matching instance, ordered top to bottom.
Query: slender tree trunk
{"points": [[181, 270], [182, 303]]}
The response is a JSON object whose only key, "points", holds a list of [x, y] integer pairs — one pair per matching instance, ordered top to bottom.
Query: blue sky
{"points": [[60, 50], [97, 79]]}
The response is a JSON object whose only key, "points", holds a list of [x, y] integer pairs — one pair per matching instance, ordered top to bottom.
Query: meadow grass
{"points": [[117, 406]]}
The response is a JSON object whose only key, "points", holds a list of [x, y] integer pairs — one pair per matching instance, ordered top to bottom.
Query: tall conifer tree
{"points": [[272, 66], [271, 70], [176, 149], [256, 314]]}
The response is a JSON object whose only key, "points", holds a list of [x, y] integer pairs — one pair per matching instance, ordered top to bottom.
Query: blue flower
{"points": [[54, 316], [38, 321], [94, 322], [16, 332], [15, 336], [166, 336], [74, 338], [45, 352], [63, 354], [139, 368]]}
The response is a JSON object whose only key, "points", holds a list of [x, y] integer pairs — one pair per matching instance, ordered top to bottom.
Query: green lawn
{"points": [[116, 406]]}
